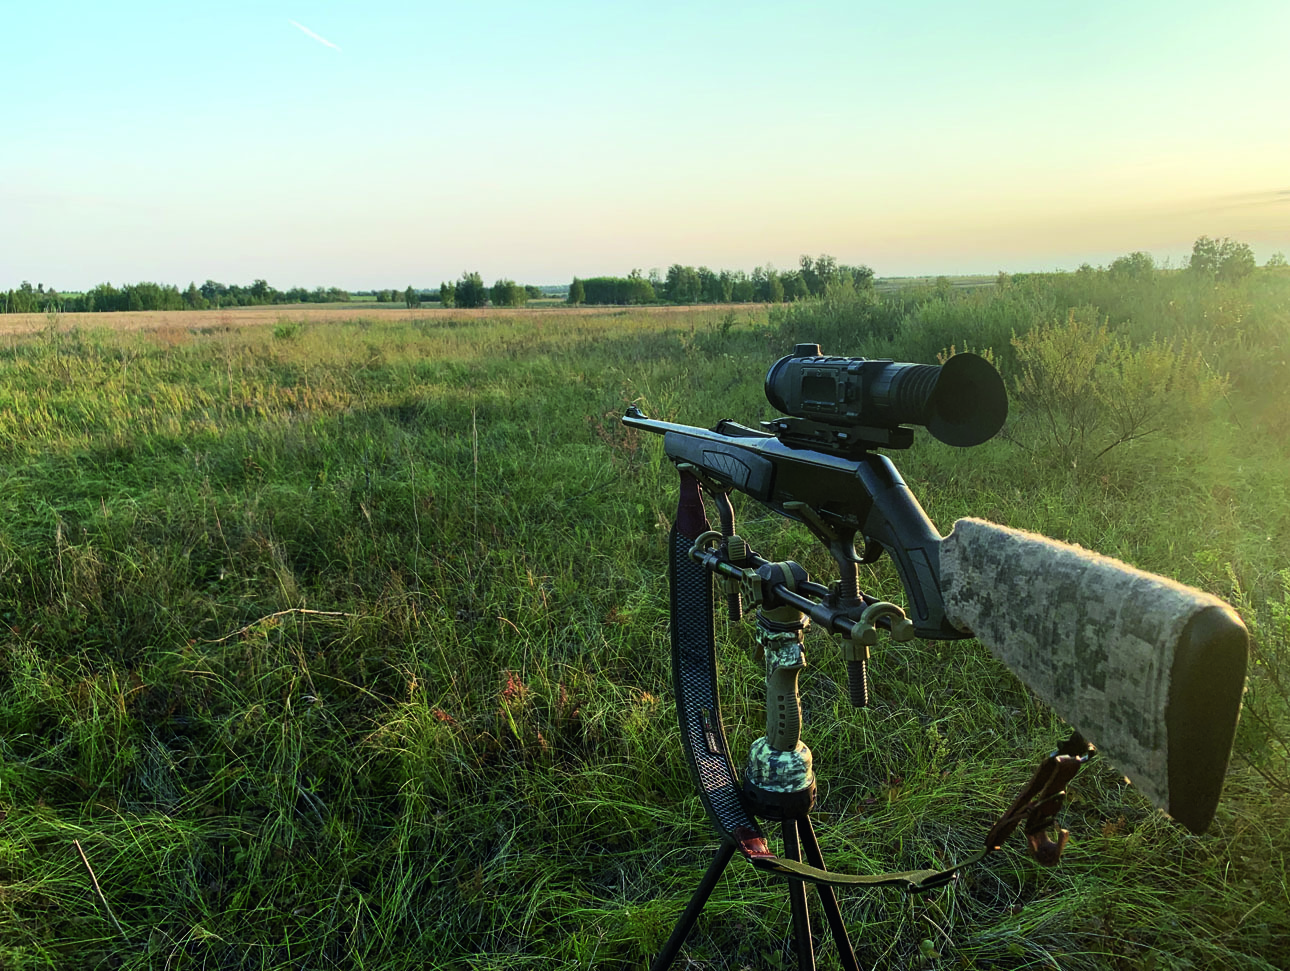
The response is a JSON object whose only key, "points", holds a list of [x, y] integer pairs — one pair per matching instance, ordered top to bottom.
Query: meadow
{"points": [[342, 642]]}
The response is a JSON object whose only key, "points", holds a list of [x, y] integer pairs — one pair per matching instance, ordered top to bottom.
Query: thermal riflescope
{"points": [[961, 402]]}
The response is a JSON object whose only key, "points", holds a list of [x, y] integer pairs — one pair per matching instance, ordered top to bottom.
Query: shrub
{"points": [[1083, 391]]}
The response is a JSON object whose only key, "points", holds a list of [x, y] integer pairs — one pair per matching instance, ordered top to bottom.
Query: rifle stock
{"points": [[1150, 670]]}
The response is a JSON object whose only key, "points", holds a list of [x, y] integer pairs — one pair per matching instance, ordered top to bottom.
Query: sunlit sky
{"points": [[385, 143]]}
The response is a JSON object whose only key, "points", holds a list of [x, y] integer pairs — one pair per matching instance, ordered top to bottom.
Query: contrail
{"points": [[309, 33]]}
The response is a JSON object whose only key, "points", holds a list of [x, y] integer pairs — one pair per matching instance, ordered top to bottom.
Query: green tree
{"points": [[1223, 259], [1276, 261], [1238, 262], [1135, 266], [817, 274], [682, 284], [767, 285], [709, 286], [725, 286], [795, 287], [638, 289], [470, 291], [577, 292], [508, 293], [447, 294], [412, 296], [23, 300]]}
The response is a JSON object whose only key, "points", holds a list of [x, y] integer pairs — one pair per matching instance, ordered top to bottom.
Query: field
{"points": [[200, 321], [337, 641]]}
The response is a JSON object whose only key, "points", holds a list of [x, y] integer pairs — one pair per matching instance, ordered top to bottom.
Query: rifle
{"points": [[1151, 670]]}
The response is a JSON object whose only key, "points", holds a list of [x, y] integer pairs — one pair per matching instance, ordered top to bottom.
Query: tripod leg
{"points": [[828, 898], [797, 902], [692, 910]]}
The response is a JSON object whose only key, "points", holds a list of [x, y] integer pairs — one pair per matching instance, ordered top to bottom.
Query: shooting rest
{"points": [[779, 781]]}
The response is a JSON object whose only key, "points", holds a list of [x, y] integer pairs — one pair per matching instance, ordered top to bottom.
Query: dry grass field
{"points": [[197, 320]]}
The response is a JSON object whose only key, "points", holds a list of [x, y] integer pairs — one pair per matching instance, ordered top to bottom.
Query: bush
{"points": [[1083, 391]]}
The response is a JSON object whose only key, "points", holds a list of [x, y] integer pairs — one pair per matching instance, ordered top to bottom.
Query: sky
{"points": [[388, 143]]}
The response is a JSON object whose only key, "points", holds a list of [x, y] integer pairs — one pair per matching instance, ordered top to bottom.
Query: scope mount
{"points": [[843, 440]]}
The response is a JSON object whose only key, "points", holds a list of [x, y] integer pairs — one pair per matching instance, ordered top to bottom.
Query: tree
{"points": [[1223, 259], [1238, 261], [1276, 261], [1135, 266], [817, 274], [861, 276], [682, 284], [709, 286], [725, 286], [767, 286], [795, 287], [774, 288], [637, 289], [618, 290], [470, 291], [745, 291], [261, 292], [577, 292], [508, 293], [447, 294], [412, 297]]}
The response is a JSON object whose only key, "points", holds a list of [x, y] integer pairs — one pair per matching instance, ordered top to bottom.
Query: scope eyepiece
{"points": [[962, 402]]}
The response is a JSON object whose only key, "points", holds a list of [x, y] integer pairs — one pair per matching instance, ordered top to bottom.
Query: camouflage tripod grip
{"points": [[1150, 669]]}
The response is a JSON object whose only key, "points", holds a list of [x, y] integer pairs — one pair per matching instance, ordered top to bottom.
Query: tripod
{"points": [[799, 836]]}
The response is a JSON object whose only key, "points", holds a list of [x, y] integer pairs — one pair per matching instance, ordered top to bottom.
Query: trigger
{"points": [[872, 551]]}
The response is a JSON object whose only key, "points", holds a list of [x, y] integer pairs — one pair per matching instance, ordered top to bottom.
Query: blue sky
{"points": [[538, 141]]}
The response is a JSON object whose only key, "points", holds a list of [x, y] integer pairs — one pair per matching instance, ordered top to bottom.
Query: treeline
{"points": [[1217, 259], [687, 284], [470, 291], [411, 296], [106, 298]]}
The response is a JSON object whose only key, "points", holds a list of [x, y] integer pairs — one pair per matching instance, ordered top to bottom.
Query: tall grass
{"points": [[345, 645]]}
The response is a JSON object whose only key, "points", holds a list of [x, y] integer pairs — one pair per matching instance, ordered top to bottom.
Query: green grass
{"points": [[346, 646]]}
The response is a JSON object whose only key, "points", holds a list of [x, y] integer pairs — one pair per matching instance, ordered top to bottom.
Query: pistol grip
{"points": [[779, 633], [783, 707]]}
